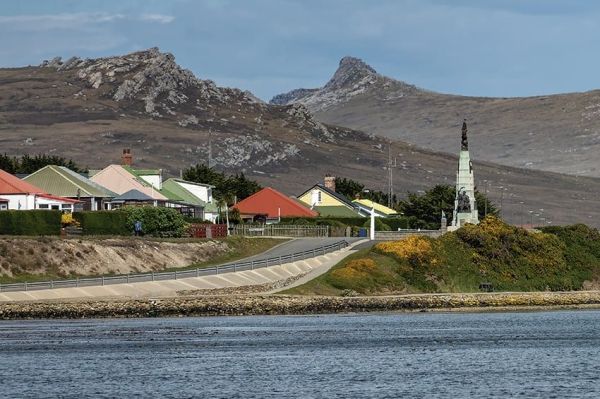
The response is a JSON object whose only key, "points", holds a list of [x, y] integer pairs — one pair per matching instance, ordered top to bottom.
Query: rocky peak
{"points": [[350, 72], [150, 76]]}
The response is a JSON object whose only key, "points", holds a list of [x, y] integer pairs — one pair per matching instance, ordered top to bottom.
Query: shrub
{"points": [[156, 221], [103, 222], [33, 223], [379, 225]]}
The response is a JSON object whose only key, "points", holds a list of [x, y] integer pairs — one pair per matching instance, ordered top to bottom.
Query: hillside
{"points": [[90, 109], [559, 133], [506, 257]]}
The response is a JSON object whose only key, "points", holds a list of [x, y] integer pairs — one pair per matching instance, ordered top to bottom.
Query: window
{"points": [[316, 197], [43, 206], [66, 206], [3, 207], [55, 207]]}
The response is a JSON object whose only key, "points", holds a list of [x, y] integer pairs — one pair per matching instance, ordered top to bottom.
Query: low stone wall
{"points": [[399, 235], [288, 305]]}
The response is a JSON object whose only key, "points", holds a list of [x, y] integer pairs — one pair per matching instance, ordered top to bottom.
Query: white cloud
{"points": [[160, 18], [32, 22]]}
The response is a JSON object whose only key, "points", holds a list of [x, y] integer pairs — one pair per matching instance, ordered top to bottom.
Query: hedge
{"points": [[156, 221], [103, 222], [30, 223], [395, 223]]}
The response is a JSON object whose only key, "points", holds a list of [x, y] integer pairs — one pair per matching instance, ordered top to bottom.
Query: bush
{"points": [[156, 221], [103, 222], [33, 223], [379, 225]]}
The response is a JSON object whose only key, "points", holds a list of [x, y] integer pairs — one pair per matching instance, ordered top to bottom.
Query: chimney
{"points": [[126, 158], [330, 182]]}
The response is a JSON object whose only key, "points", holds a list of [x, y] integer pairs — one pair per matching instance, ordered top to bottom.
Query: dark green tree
{"points": [[27, 164], [227, 188], [351, 189], [429, 205]]}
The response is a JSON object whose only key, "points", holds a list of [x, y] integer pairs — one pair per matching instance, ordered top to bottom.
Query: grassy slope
{"points": [[240, 248], [511, 259]]}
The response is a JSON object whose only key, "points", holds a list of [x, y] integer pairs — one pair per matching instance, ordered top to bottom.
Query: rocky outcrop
{"points": [[152, 77], [352, 78], [293, 305]]}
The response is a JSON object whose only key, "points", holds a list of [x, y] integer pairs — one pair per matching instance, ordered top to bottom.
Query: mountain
{"points": [[90, 109], [558, 133]]}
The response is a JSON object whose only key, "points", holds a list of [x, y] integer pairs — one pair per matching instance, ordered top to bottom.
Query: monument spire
{"points": [[464, 144], [465, 206]]}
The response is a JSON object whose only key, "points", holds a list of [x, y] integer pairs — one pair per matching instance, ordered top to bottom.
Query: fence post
{"points": [[267, 260], [280, 261], [252, 264], [217, 267], [235, 267], [197, 272], [175, 274], [152, 276], [127, 278], [102, 280], [77, 282], [51, 283], [25, 285]]}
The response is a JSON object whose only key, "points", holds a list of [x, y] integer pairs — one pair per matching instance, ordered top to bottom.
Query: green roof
{"points": [[141, 172], [63, 182], [174, 191], [336, 211]]}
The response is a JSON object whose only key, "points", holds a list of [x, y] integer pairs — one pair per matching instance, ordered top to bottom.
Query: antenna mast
{"points": [[390, 165]]}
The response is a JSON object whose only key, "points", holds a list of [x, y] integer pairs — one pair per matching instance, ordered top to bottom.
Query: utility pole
{"points": [[210, 164], [390, 165]]}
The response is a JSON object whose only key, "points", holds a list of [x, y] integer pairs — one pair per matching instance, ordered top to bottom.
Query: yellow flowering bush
{"points": [[415, 249], [362, 275]]}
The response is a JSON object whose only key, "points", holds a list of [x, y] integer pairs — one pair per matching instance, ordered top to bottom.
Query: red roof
{"points": [[10, 184], [61, 199], [271, 202]]}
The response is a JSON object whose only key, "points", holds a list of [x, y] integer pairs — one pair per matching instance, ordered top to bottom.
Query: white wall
{"points": [[154, 180], [202, 192], [31, 201]]}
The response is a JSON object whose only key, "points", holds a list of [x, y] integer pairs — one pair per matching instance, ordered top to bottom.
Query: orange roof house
{"points": [[271, 204]]}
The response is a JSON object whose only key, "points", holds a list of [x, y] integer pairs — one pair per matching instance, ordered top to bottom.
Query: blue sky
{"points": [[471, 47]]}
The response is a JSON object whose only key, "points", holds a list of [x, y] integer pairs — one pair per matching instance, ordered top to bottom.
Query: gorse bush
{"points": [[507, 257]]}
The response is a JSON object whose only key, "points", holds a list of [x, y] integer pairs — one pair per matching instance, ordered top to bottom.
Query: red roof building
{"points": [[21, 195], [271, 204]]}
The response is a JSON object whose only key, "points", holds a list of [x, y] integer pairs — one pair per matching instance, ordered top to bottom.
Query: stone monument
{"points": [[465, 207]]}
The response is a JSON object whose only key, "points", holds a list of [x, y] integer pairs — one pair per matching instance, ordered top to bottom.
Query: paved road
{"points": [[300, 244]]}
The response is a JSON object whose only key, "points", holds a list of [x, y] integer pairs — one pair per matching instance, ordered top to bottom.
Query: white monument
{"points": [[465, 207]]}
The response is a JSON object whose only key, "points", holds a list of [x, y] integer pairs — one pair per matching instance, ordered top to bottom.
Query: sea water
{"points": [[425, 355]]}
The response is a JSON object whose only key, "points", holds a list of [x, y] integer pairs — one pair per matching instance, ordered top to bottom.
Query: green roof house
{"points": [[63, 182], [196, 196]]}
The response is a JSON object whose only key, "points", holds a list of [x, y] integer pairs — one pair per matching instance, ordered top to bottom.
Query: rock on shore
{"points": [[290, 305]]}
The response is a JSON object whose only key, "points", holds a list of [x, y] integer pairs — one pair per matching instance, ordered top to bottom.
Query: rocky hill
{"points": [[90, 109], [559, 133]]}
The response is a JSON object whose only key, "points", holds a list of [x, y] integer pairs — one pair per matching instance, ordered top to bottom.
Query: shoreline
{"points": [[255, 305]]}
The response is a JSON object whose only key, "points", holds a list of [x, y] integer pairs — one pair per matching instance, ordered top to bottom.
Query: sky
{"points": [[470, 47]]}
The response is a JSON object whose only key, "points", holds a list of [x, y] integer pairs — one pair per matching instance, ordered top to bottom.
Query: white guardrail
{"points": [[174, 275]]}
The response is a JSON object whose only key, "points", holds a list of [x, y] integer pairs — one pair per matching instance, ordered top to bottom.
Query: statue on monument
{"points": [[464, 143], [464, 202]]}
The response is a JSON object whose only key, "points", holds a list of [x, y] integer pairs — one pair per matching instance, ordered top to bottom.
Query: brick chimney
{"points": [[126, 158], [330, 182]]}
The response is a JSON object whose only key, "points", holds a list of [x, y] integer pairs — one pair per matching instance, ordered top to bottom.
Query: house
{"points": [[122, 179], [63, 182], [20, 195], [132, 198], [196, 199], [323, 199], [269, 204], [380, 210]]}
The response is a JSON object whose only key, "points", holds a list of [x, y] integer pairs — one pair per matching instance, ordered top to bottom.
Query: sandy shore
{"points": [[235, 305]]}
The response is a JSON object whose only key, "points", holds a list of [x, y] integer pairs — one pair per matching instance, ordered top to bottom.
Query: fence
{"points": [[208, 230], [278, 230], [400, 234], [174, 275]]}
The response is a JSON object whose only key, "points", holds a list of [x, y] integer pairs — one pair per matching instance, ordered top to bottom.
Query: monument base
{"points": [[463, 218]]}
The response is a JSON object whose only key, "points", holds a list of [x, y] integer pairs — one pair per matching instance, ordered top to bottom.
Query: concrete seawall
{"points": [[268, 278], [294, 305]]}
